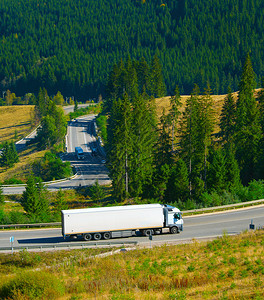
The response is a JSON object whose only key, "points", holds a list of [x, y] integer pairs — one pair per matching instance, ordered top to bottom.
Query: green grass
{"points": [[225, 268]]}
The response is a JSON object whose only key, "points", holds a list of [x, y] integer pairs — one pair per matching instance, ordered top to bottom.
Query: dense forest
{"points": [[71, 46], [181, 158]]}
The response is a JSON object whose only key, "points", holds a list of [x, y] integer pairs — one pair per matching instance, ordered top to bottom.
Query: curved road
{"points": [[80, 133], [198, 227]]}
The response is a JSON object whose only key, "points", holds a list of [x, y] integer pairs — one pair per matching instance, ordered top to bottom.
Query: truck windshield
{"points": [[177, 216]]}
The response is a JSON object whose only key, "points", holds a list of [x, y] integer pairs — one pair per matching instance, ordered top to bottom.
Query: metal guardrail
{"points": [[215, 208], [200, 210], [15, 226], [69, 246]]}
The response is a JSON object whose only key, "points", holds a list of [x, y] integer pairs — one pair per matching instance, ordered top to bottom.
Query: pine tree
{"points": [[157, 85], [175, 103], [75, 105], [227, 118], [46, 133], [189, 133], [247, 134], [196, 137], [144, 140], [120, 146], [163, 147], [13, 152], [9, 155], [232, 169], [217, 171], [178, 183], [97, 192], [2, 197], [34, 199]]}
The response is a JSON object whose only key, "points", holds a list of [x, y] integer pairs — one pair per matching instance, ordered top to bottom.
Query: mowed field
{"points": [[15, 121]]}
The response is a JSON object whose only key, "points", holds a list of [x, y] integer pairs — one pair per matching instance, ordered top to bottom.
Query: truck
{"points": [[79, 153], [120, 221]]}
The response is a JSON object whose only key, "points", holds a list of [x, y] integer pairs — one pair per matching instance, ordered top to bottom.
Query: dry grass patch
{"points": [[15, 121], [23, 168], [226, 268]]}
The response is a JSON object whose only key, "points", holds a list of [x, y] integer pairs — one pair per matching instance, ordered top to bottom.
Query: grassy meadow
{"points": [[15, 122], [231, 267]]}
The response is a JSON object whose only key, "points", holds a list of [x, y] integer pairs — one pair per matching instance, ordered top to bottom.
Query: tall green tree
{"points": [[157, 85], [175, 103], [227, 117], [247, 129], [144, 139], [120, 150], [9, 155], [217, 171], [177, 188], [97, 192], [2, 197], [34, 198], [60, 203]]}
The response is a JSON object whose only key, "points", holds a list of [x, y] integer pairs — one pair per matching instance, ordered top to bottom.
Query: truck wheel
{"points": [[174, 230], [147, 232], [107, 235], [87, 236], [97, 236]]}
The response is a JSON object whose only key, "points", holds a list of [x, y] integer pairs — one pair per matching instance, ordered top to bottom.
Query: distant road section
{"points": [[80, 133], [22, 143]]}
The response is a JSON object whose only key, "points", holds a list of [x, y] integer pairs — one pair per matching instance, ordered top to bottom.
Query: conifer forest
{"points": [[71, 46]]}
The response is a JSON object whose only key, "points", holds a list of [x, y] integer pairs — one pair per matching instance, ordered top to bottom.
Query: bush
{"points": [[101, 122], [12, 181], [32, 285]]}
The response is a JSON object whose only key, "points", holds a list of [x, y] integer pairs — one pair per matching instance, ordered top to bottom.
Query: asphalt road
{"points": [[80, 133], [22, 143], [195, 227]]}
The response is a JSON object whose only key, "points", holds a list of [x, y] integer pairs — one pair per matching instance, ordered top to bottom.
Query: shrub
{"points": [[33, 285]]}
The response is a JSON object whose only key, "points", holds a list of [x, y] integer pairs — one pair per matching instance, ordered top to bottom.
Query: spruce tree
{"points": [[157, 85], [175, 103], [227, 118], [247, 134], [188, 139], [144, 140], [120, 146], [163, 153], [9, 155], [232, 169], [217, 171], [177, 188], [97, 192], [2, 197], [34, 198], [60, 202]]}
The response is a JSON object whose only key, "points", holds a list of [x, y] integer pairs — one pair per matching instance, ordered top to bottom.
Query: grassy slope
{"points": [[15, 118], [226, 268]]}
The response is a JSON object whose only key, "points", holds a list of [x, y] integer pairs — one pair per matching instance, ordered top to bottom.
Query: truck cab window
{"points": [[177, 216]]}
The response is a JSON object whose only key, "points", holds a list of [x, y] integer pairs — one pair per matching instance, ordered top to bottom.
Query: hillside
{"points": [[72, 46], [15, 122], [224, 268]]}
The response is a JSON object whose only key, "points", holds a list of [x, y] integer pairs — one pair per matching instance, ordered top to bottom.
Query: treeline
{"points": [[72, 46], [180, 158]]}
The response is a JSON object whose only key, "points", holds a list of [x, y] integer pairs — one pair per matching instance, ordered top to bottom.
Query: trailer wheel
{"points": [[174, 230], [147, 232], [107, 235], [87, 236], [97, 236]]}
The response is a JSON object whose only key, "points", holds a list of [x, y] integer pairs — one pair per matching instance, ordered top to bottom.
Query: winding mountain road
{"points": [[80, 133]]}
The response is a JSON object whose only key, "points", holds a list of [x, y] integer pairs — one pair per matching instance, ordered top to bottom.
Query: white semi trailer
{"points": [[120, 221]]}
